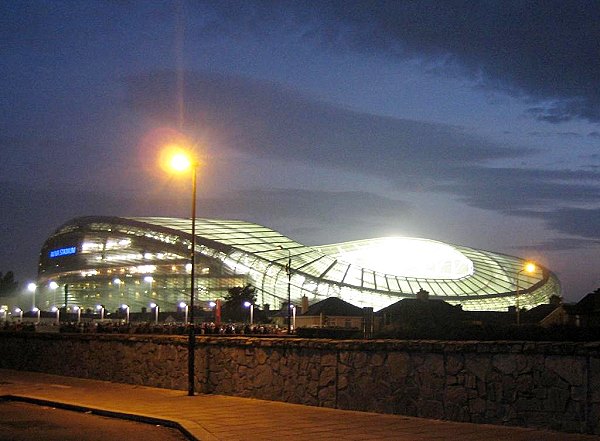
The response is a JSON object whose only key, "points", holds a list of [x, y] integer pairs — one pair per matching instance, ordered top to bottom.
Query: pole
{"points": [[66, 295], [517, 300], [289, 304], [191, 335]]}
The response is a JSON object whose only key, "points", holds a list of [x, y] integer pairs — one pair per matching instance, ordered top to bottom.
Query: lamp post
{"points": [[181, 162], [528, 268], [288, 269], [53, 286], [31, 287], [155, 306], [251, 306], [126, 308], [185, 308], [293, 308], [101, 309], [78, 310], [37, 311], [57, 311], [4, 312], [20, 312]]}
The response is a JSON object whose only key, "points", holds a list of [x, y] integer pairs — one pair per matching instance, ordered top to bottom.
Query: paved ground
{"points": [[217, 417]]}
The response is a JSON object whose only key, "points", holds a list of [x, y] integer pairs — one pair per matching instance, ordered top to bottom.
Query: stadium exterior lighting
{"points": [[32, 287], [251, 306], [155, 307], [126, 308], [186, 309], [57, 311]]}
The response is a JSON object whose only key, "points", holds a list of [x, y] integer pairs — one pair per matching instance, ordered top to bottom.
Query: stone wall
{"points": [[532, 384]]}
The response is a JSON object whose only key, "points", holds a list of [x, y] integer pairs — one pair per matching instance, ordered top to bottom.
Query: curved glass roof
{"points": [[372, 272]]}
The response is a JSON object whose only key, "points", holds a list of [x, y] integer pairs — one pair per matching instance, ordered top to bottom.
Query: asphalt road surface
{"points": [[30, 422]]}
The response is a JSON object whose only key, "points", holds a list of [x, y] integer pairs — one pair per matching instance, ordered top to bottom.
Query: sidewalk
{"points": [[223, 418]]}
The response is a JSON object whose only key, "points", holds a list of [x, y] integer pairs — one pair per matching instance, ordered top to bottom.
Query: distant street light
{"points": [[182, 162], [528, 268], [288, 269], [32, 287], [184, 306], [251, 306], [155, 307], [100, 308], [126, 308], [293, 308], [78, 310], [37, 311], [57, 311], [20, 312]]}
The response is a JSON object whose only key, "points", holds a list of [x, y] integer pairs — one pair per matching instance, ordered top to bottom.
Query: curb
{"points": [[103, 412]]}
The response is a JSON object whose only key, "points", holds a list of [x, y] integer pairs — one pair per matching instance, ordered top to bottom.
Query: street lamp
{"points": [[181, 162], [528, 268], [288, 269], [31, 287], [155, 306], [184, 306], [251, 306], [126, 308], [293, 308], [101, 309], [78, 310], [37, 311], [57, 311], [4, 312], [20, 312]]}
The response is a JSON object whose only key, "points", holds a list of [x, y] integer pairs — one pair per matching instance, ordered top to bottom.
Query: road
{"points": [[27, 422]]}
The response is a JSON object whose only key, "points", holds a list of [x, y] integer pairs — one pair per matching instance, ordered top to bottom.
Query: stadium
{"points": [[142, 260]]}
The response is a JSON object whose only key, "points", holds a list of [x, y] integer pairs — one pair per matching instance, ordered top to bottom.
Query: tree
{"points": [[8, 284], [233, 308]]}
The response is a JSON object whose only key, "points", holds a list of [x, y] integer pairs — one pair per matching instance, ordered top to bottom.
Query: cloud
{"points": [[544, 51], [266, 120], [583, 222], [563, 244]]}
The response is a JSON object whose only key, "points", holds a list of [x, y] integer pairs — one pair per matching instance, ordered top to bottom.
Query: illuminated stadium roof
{"points": [[93, 253]]}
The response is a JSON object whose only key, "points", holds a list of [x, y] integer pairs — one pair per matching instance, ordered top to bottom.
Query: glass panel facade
{"points": [[90, 254]]}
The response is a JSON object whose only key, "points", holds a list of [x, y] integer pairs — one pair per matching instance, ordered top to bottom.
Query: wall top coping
{"points": [[423, 346]]}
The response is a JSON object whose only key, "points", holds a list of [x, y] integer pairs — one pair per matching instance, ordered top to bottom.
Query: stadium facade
{"points": [[136, 261]]}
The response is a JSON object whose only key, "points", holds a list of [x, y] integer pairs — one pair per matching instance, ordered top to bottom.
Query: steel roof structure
{"points": [[107, 259]]}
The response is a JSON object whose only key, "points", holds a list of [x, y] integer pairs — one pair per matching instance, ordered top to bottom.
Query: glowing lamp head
{"points": [[180, 162], [530, 267], [53, 285], [31, 287], [182, 304], [212, 304], [247, 304], [153, 305], [124, 306], [36, 309], [54, 309], [18, 310]]}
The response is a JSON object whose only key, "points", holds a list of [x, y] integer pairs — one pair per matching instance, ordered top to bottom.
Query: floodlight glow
{"points": [[410, 257], [149, 279], [53, 285], [31, 287]]}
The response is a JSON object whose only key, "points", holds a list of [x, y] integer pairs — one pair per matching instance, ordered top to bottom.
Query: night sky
{"points": [[475, 123]]}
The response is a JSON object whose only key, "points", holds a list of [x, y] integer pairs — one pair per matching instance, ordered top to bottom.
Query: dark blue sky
{"points": [[475, 123]]}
